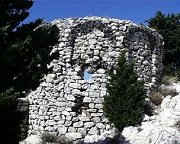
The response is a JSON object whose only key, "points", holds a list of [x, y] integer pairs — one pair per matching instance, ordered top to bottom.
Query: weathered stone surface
{"points": [[90, 44], [87, 100], [78, 124], [88, 124], [62, 130], [73, 136], [33, 139]]}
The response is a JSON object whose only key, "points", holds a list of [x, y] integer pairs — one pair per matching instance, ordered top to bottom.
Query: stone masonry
{"points": [[66, 102]]}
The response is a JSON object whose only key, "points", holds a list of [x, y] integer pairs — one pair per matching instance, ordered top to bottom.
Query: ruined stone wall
{"points": [[65, 101]]}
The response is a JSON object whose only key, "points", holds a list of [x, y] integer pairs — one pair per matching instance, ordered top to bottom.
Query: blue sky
{"points": [[135, 10]]}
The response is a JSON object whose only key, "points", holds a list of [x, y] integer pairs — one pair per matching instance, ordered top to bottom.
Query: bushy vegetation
{"points": [[24, 50], [124, 104], [9, 117], [48, 138], [52, 138]]}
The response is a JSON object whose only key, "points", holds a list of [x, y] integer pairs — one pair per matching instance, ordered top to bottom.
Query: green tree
{"points": [[169, 27], [25, 52], [124, 104]]}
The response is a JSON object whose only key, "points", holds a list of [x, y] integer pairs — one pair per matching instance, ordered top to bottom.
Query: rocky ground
{"points": [[160, 128]]}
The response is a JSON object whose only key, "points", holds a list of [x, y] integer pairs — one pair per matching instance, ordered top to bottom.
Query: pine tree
{"points": [[169, 27], [24, 55], [124, 104]]}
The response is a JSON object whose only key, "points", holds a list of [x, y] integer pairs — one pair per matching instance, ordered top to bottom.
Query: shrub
{"points": [[156, 98], [124, 104], [48, 138]]}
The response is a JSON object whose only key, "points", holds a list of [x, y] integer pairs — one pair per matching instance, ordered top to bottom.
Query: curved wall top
{"points": [[65, 101]]}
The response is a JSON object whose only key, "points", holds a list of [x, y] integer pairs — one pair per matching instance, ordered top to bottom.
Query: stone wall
{"points": [[65, 101]]}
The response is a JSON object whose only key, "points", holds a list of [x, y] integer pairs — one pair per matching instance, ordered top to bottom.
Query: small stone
{"points": [[96, 52], [101, 71], [75, 85], [76, 92], [70, 98], [87, 100], [98, 101], [91, 105], [98, 106], [66, 113], [96, 114], [68, 118], [84, 118], [96, 119], [68, 123], [78, 124], [88, 124], [100, 125], [49, 128], [71, 129], [62, 130], [93, 131], [73, 136]]}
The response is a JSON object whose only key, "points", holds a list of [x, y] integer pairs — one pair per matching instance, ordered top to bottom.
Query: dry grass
{"points": [[168, 80], [165, 92], [156, 98], [48, 138]]}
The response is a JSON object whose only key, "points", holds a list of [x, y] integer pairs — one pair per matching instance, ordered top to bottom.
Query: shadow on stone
{"points": [[117, 139]]}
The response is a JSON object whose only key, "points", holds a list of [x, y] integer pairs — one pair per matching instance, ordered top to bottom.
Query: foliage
{"points": [[169, 27], [25, 52], [124, 104], [9, 118], [48, 138], [52, 138]]}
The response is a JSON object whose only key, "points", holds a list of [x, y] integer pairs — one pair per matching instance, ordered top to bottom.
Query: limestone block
{"points": [[96, 52], [101, 71], [75, 85], [76, 91], [70, 98], [87, 100], [98, 101], [91, 105], [98, 106], [66, 113], [96, 114], [68, 118], [84, 118], [96, 119], [67, 123], [78, 124], [88, 124], [100, 125], [49, 129], [71, 129], [62, 130], [93, 131], [73, 136]]}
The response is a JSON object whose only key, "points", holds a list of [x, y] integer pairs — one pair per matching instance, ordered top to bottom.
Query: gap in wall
{"points": [[87, 75]]}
